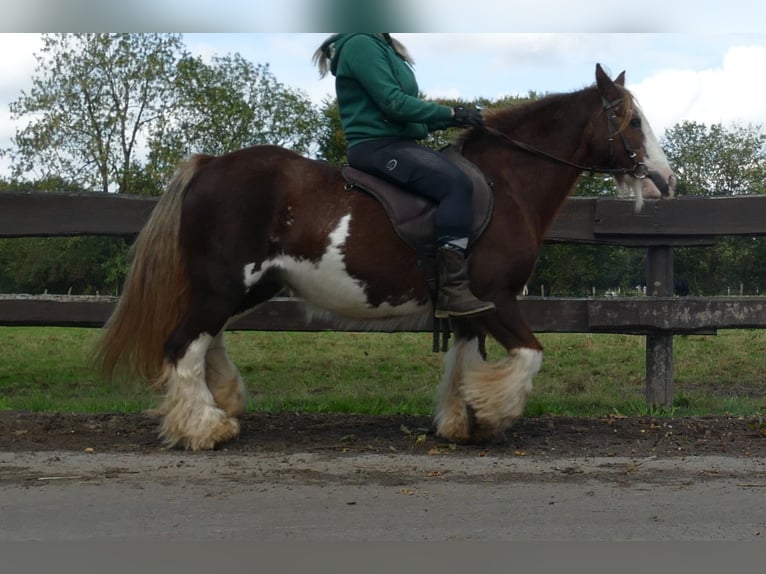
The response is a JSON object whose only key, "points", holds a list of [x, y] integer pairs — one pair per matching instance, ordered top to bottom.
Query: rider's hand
{"points": [[466, 117]]}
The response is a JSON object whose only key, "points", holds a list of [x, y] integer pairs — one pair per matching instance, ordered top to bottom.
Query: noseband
{"points": [[639, 170]]}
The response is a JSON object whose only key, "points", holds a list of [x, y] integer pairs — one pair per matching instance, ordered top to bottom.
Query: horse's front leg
{"points": [[478, 400]]}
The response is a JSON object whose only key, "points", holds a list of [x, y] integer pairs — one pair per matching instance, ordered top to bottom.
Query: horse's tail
{"points": [[156, 291]]}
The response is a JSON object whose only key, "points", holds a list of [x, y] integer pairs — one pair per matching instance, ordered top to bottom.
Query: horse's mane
{"points": [[507, 118]]}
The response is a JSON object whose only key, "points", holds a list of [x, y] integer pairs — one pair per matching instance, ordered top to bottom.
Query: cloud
{"points": [[18, 63], [16, 70], [728, 94]]}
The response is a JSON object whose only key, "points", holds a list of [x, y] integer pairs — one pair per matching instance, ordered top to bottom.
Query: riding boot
{"points": [[455, 298]]}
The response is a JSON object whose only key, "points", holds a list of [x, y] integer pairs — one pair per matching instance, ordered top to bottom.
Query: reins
{"points": [[639, 170]]}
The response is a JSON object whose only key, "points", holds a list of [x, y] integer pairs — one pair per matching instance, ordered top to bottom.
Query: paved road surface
{"points": [[55, 496]]}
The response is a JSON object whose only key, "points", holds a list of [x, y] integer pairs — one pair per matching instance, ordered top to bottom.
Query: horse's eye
{"points": [[635, 122]]}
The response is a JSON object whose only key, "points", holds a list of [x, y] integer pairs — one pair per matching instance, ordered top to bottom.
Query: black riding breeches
{"points": [[422, 171]]}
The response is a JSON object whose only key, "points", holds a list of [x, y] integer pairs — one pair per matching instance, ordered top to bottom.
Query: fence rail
{"points": [[661, 225]]}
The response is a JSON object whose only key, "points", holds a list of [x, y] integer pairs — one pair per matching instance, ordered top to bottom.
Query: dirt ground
{"points": [[548, 437]]}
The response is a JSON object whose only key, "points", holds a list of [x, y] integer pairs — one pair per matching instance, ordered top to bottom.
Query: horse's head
{"points": [[641, 167]]}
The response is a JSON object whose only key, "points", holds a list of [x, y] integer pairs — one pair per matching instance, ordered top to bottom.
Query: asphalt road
{"points": [[68, 496]]}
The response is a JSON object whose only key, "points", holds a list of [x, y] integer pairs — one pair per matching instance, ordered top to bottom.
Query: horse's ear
{"points": [[603, 81], [620, 81]]}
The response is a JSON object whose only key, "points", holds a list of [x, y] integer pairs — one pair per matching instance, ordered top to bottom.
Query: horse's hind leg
{"points": [[222, 376], [223, 379], [479, 400], [190, 416]]}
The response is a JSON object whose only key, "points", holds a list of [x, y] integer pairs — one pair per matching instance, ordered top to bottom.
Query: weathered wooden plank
{"points": [[66, 214], [687, 216], [579, 221], [609, 221], [574, 222], [54, 312], [279, 314], [677, 314], [555, 315], [634, 315]]}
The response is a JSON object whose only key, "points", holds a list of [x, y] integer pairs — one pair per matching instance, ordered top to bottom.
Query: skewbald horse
{"points": [[232, 231]]}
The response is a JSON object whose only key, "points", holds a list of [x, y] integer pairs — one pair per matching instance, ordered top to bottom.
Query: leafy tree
{"points": [[93, 98], [225, 105], [332, 142], [715, 160], [718, 161], [51, 183], [61, 264]]}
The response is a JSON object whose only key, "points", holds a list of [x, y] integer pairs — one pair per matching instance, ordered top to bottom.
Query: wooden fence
{"points": [[661, 226]]}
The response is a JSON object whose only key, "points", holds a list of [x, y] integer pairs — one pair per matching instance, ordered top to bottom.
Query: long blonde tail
{"points": [[156, 292]]}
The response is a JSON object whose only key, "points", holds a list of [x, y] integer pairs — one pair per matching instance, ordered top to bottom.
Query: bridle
{"points": [[639, 169]]}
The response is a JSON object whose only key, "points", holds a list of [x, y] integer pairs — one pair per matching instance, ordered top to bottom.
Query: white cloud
{"points": [[16, 70], [730, 93]]}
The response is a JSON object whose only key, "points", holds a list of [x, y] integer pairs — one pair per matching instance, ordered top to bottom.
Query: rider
{"points": [[382, 117]]}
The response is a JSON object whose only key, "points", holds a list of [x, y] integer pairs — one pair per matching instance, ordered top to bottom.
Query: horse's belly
{"points": [[325, 283], [338, 292]]}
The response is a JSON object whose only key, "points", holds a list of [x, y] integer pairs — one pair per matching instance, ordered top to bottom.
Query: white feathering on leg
{"points": [[498, 392], [190, 417]]}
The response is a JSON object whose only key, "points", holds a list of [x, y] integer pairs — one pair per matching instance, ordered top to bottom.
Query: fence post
{"points": [[659, 346]]}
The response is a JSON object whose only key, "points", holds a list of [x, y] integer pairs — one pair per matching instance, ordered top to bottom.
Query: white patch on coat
{"points": [[326, 283], [192, 364]]}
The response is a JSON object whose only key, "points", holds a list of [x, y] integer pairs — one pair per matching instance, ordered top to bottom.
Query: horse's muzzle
{"points": [[665, 186]]}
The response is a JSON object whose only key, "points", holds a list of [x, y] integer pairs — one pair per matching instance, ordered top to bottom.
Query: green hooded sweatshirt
{"points": [[377, 91]]}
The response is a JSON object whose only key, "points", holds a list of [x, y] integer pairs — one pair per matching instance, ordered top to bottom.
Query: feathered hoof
{"points": [[232, 399], [467, 429], [200, 437]]}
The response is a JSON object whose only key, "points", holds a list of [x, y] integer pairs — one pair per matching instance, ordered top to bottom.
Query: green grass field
{"points": [[47, 369]]}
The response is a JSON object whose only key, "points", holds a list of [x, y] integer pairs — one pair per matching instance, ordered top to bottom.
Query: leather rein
{"points": [[639, 170]]}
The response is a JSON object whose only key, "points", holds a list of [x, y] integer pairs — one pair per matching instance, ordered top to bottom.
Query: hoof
{"points": [[467, 429], [201, 437]]}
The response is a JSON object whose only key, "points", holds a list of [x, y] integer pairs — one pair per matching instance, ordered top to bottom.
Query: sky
{"points": [[684, 61]]}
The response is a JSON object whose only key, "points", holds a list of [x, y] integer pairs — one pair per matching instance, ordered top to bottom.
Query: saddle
{"points": [[413, 216], [414, 219]]}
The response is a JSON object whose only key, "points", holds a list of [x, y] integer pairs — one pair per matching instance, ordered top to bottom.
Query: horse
{"points": [[232, 231]]}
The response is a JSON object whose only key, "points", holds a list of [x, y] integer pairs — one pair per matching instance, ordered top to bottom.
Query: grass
{"points": [[46, 369]]}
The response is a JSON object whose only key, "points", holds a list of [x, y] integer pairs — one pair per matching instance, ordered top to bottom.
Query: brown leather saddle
{"points": [[412, 216]]}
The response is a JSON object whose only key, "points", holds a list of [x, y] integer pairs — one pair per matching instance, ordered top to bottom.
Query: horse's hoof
{"points": [[225, 430]]}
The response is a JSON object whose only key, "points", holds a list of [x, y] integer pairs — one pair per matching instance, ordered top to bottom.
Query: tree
{"points": [[93, 98], [228, 104], [332, 141], [716, 160]]}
